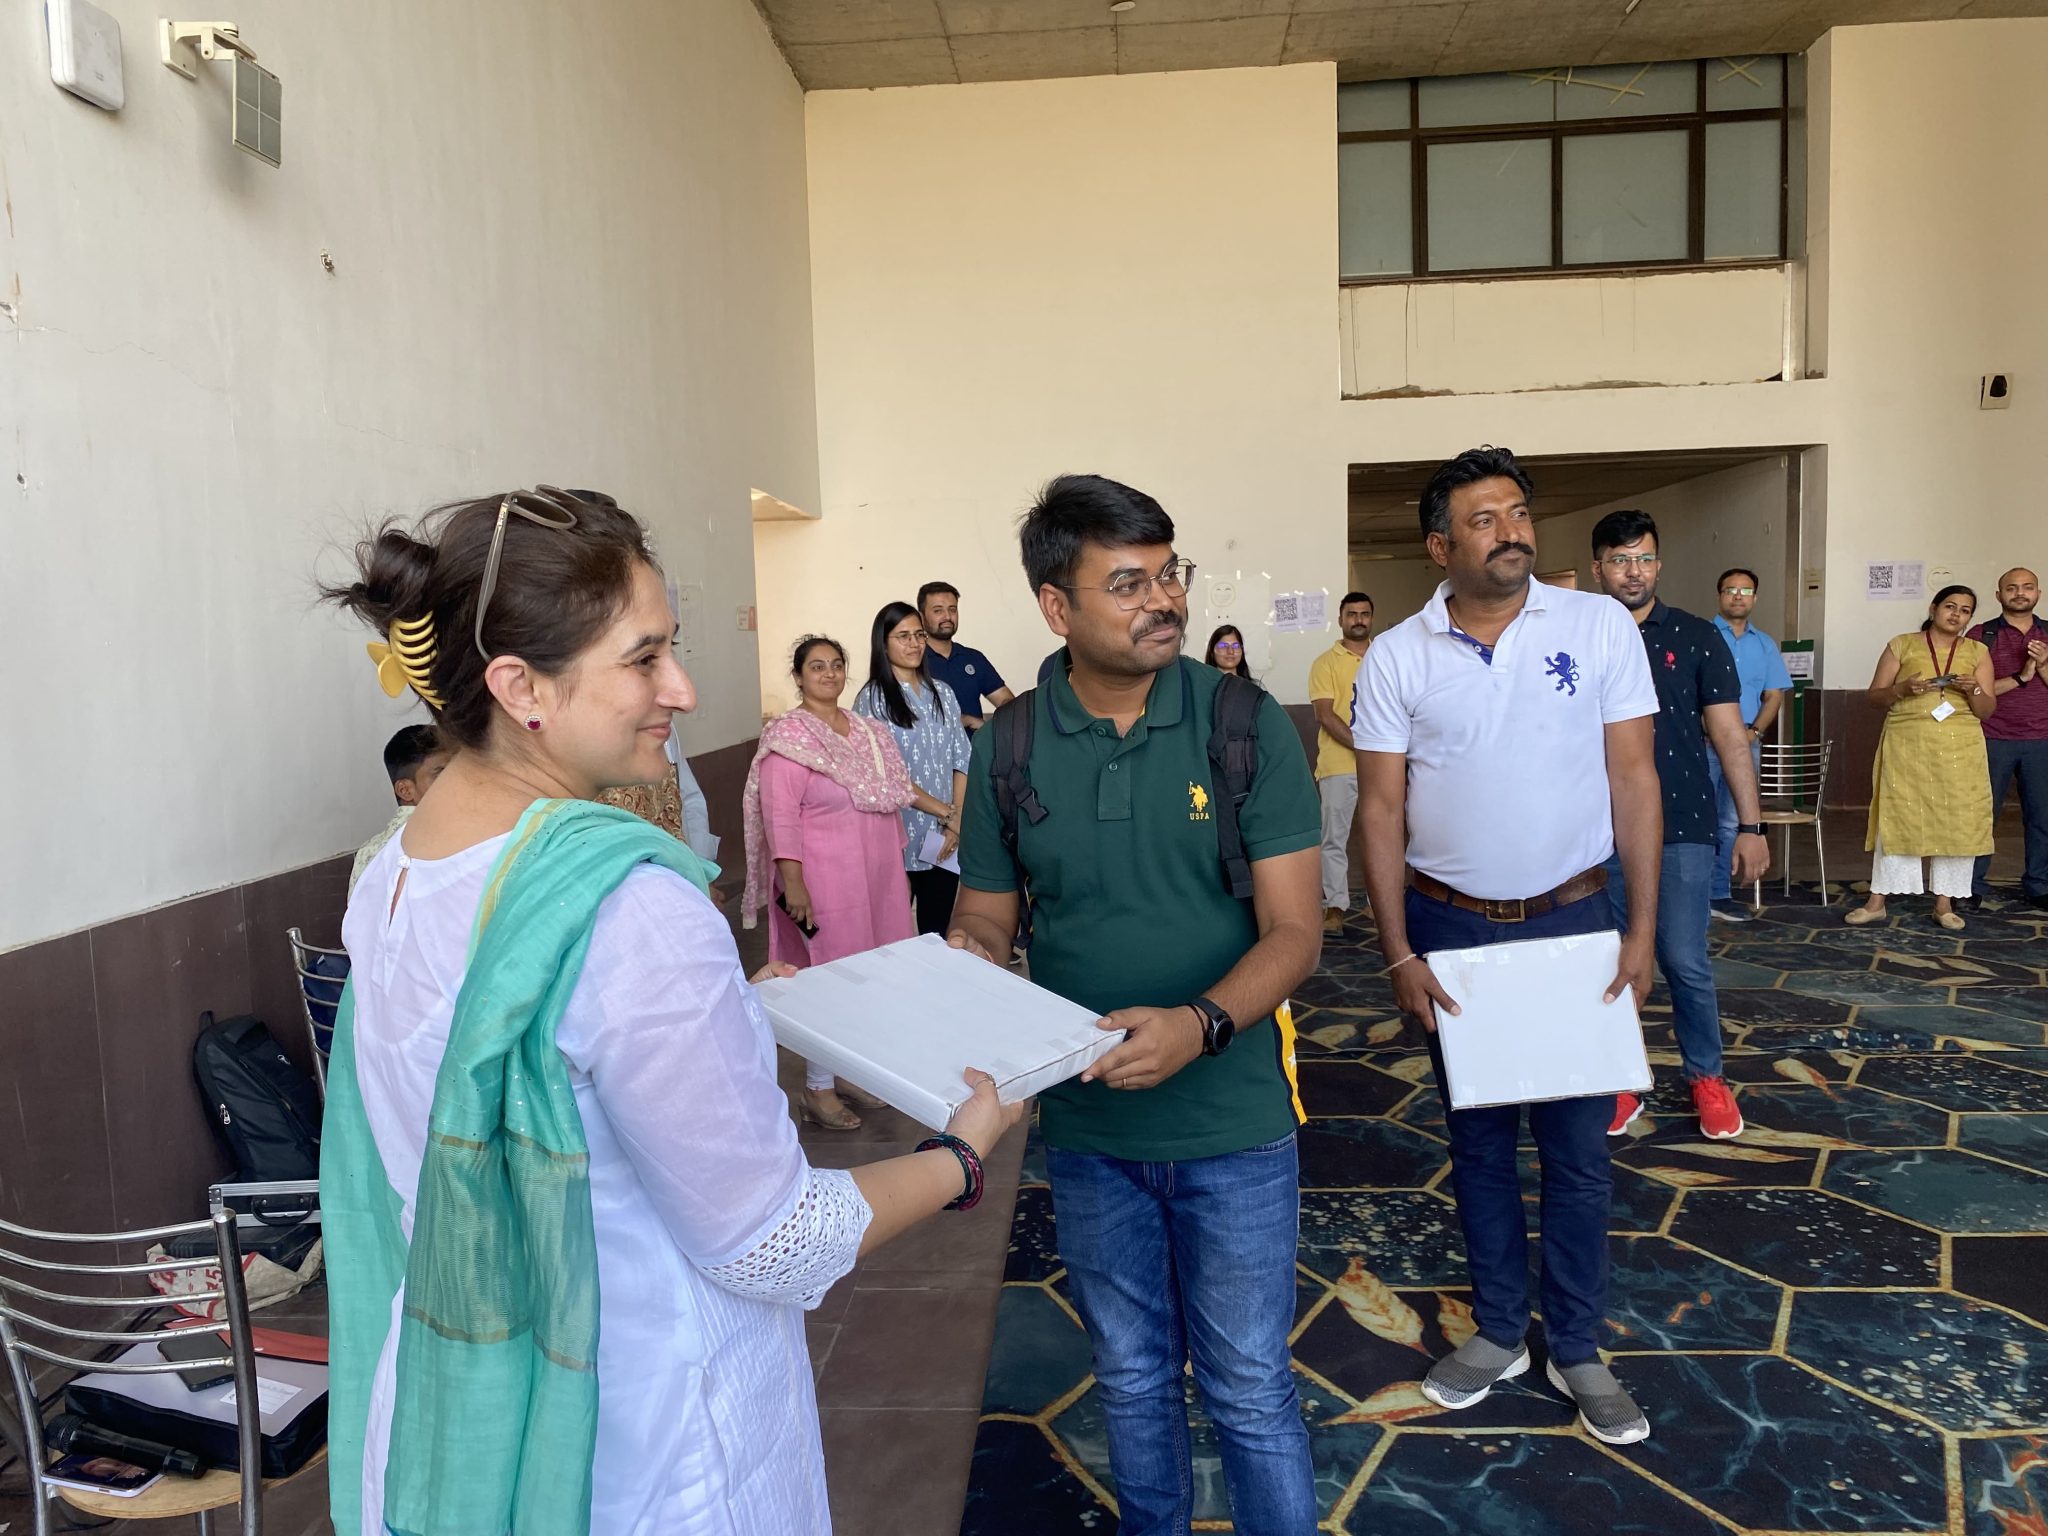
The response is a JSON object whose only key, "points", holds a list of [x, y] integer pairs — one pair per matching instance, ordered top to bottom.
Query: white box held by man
{"points": [[905, 1022], [1532, 1024]]}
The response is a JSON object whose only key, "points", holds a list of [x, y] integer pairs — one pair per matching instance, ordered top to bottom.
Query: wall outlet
{"points": [[1994, 392]]}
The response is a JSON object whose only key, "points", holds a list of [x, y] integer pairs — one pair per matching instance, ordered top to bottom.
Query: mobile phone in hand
{"points": [[808, 930]]}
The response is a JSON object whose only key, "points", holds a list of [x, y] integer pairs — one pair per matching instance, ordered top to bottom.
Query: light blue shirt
{"points": [[1758, 662], [934, 749]]}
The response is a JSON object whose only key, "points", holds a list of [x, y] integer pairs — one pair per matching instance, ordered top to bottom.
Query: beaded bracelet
{"points": [[970, 1168]]}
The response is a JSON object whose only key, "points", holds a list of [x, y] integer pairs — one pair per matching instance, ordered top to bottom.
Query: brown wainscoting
{"points": [[100, 1119]]}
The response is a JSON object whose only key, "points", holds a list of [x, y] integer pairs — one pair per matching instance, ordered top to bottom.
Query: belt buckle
{"points": [[1510, 911]]}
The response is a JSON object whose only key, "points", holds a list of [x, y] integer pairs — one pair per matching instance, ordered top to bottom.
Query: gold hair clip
{"points": [[407, 660]]}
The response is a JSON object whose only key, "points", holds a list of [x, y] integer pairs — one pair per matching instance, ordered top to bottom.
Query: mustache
{"points": [[1512, 549], [1161, 625]]}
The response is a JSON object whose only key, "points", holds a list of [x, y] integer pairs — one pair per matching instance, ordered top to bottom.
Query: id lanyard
{"points": [[1941, 668]]}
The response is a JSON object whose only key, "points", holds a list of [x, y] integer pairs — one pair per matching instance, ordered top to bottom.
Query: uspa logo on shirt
{"points": [[968, 669], [1566, 671], [1198, 802]]}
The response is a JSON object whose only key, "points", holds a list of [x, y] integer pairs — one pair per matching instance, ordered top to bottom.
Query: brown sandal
{"points": [[860, 1098], [809, 1111]]}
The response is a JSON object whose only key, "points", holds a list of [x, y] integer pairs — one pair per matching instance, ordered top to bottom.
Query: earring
{"points": [[533, 722]]}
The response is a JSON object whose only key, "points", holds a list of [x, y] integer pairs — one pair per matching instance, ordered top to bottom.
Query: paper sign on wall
{"points": [[1895, 581], [1296, 613], [1798, 665]]}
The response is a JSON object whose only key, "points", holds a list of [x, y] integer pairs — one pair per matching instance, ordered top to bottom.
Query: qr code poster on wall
{"points": [[1895, 580]]}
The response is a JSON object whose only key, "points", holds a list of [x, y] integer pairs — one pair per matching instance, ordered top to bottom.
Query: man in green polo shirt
{"points": [[1172, 1160]]}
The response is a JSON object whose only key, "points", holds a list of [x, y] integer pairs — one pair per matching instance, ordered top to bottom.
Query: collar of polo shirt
{"points": [[1436, 613], [1163, 705]]}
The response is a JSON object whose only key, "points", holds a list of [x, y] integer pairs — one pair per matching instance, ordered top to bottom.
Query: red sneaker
{"points": [[1626, 1108], [1719, 1118]]}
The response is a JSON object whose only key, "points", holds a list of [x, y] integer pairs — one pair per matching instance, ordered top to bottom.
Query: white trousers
{"points": [[1340, 808], [1898, 874]]}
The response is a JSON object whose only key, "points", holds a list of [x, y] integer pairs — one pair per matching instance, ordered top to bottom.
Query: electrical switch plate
{"points": [[85, 52], [1994, 392]]}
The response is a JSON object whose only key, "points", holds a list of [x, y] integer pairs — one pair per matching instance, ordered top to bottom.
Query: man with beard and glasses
{"points": [[971, 675], [1330, 681], [1699, 696], [2016, 734], [1504, 753], [1172, 1160]]}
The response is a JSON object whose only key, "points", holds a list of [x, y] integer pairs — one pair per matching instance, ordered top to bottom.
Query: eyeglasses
{"points": [[547, 506], [1620, 563], [1131, 591], [1738, 591], [912, 637], [1227, 645]]}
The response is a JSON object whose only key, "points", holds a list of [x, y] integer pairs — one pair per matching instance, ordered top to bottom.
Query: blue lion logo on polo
{"points": [[1565, 670]]}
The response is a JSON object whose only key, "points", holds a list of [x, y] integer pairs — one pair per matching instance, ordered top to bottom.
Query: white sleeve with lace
{"points": [[679, 1053], [800, 1259]]}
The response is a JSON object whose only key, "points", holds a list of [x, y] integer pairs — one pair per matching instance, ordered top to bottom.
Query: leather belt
{"points": [[1516, 909]]}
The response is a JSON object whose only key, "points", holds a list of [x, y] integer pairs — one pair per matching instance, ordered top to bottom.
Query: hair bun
{"points": [[393, 570]]}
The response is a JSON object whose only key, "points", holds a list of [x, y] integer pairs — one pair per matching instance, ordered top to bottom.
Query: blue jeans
{"points": [[2026, 761], [1725, 821], [1682, 916], [1571, 1143], [1171, 1263]]}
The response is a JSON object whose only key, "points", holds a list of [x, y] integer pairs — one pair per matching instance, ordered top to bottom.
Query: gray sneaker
{"points": [[1475, 1368], [1606, 1410]]}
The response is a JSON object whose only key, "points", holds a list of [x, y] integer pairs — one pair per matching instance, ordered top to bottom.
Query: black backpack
{"points": [[1233, 763], [263, 1107]]}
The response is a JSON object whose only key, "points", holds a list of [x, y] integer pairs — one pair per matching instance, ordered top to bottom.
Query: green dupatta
{"points": [[496, 1415]]}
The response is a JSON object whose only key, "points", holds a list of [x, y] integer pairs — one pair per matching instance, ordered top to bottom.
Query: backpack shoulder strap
{"points": [[1991, 627], [1234, 760], [1010, 768]]}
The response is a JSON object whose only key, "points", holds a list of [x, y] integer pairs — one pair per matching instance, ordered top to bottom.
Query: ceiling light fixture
{"points": [[1123, 5], [1630, 8]]}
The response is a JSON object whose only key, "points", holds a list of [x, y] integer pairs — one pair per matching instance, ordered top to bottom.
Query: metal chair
{"points": [[1789, 783], [321, 973], [29, 1307]]}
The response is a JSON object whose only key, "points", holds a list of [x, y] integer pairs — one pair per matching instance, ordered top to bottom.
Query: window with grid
{"points": [[1595, 169]]}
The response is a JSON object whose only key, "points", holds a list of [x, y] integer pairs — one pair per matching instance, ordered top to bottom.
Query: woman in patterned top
{"points": [[925, 721]]}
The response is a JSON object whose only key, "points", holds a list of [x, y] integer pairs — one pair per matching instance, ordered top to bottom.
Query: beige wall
{"points": [[1936, 135], [563, 250], [1127, 275], [1564, 333]]}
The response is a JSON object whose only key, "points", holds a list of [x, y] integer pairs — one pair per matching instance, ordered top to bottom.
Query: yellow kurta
{"points": [[1931, 788]]}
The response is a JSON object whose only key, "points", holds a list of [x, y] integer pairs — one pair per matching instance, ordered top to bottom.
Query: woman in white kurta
{"points": [[712, 1232]]}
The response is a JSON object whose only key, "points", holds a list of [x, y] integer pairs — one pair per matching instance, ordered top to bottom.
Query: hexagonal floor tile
{"points": [[1959, 1023], [1958, 1082], [1349, 1088], [1859, 1115], [2021, 1139], [1379, 1154], [1951, 1191], [1808, 1237], [1408, 1238], [2005, 1270], [1662, 1295], [1039, 1353], [1957, 1362], [1773, 1447], [1020, 1483], [1533, 1485], [2005, 1486]]}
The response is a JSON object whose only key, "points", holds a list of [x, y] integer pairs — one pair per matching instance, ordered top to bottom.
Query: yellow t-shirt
{"points": [[1331, 677]]}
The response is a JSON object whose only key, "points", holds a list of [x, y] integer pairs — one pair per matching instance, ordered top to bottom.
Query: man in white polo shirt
{"points": [[1504, 753]]}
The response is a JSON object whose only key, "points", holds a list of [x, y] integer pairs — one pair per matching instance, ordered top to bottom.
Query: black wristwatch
{"points": [[1749, 828], [1218, 1027]]}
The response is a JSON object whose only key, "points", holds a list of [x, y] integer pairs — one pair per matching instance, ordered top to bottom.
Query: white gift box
{"points": [[905, 1022], [1532, 1025]]}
